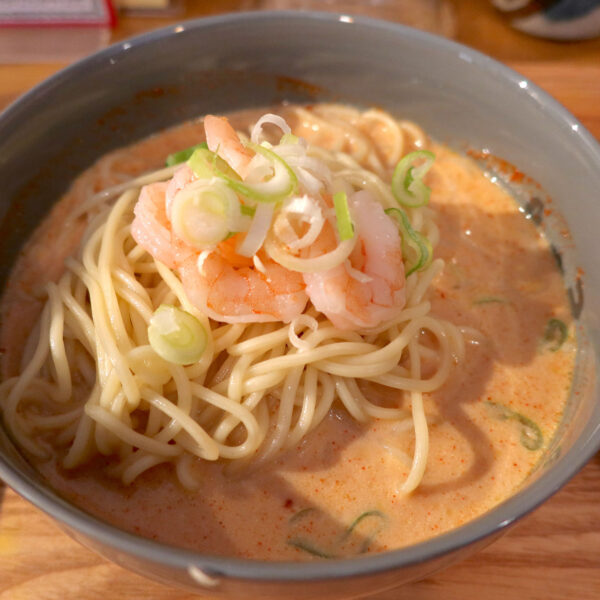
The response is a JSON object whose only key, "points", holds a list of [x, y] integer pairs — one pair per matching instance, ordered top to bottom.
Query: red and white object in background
{"points": [[53, 30]]}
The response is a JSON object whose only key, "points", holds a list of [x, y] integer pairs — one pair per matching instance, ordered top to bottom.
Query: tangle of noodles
{"points": [[91, 383]]}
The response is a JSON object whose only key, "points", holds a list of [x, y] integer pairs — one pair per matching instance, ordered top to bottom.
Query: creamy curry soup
{"points": [[338, 487]]}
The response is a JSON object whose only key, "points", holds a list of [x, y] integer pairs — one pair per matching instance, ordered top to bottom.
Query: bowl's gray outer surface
{"points": [[230, 62]]}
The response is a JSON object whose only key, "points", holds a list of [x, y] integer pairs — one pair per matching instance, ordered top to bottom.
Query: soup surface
{"points": [[338, 492]]}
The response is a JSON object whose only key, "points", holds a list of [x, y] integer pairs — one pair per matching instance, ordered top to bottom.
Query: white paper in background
{"points": [[48, 11], [52, 30]]}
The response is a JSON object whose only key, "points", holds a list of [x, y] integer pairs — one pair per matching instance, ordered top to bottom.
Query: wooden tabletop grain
{"points": [[553, 554]]}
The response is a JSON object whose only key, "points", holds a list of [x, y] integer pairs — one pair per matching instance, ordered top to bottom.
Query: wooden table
{"points": [[553, 554]]}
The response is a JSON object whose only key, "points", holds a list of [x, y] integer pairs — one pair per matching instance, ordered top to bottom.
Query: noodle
{"points": [[92, 380]]}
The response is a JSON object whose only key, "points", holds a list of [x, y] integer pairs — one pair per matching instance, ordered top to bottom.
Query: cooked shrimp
{"points": [[222, 139], [151, 228], [226, 286], [368, 288], [243, 294]]}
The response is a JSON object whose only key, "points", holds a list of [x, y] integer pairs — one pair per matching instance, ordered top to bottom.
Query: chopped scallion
{"points": [[289, 138], [183, 155], [207, 164], [407, 181], [282, 184], [279, 186], [247, 211], [205, 212], [342, 215], [417, 252], [490, 300], [555, 334], [176, 335], [531, 435], [301, 514], [370, 515], [362, 517], [370, 522], [309, 548]]}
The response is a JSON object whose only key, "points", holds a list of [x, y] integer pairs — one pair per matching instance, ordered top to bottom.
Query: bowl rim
{"points": [[486, 525]]}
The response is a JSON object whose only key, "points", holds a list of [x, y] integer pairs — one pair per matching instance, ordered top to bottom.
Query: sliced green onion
{"points": [[289, 138], [183, 155], [207, 164], [407, 181], [282, 183], [247, 211], [204, 213], [342, 215], [257, 231], [417, 252], [491, 300], [556, 334], [176, 335], [531, 434], [301, 514], [362, 517], [368, 539], [302, 543], [337, 547], [309, 548]]}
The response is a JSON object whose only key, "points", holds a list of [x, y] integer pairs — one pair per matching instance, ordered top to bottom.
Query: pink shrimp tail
{"points": [[222, 139]]}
